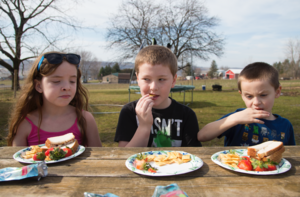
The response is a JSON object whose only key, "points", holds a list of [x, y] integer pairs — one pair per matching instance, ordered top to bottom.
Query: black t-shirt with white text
{"points": [[174, 126]]}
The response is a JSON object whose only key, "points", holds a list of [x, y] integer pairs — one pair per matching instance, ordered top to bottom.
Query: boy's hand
{"points": [[143, 110], [250, 115]]}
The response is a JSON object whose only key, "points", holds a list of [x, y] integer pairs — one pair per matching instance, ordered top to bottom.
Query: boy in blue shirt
{"points": [[258, 85]]}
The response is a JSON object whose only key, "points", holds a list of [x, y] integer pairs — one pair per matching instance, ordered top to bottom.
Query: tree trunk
{"points": [[14, 75]]}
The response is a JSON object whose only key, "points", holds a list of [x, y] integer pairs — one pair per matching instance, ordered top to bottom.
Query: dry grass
{"points": [[208, 105]]}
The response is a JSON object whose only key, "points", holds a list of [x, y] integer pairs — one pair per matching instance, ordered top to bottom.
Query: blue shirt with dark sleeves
{"points": [[279, 129]]}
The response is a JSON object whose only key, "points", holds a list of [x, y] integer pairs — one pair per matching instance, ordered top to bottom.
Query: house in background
{"points": [[221, 73], [232, 73], [124, 77], [112, 78], [117, 78]]}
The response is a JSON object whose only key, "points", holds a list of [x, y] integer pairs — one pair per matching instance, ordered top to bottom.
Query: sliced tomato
{"points": [[68, 151], [47, 153], [39, 156], [35, 158], [245, 158], [139, 164], [245, 165], [271, 167], [260, 168], [151, 170]]}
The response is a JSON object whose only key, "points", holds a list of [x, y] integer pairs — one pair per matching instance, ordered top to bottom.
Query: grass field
{"points": [[208, 105]]}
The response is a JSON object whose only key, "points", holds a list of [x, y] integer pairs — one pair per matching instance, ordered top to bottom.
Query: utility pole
{"points": [[192, 72]]}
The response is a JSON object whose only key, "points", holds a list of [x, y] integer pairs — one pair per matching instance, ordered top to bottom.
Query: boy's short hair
{"points": [[154, 55], [259, 70]]}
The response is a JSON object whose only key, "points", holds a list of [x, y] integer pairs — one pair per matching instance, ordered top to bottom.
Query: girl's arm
{"points": [[23, 131], [92, 134]]}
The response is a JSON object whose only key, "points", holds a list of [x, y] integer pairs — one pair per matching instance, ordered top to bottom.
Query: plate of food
{"points": [[55, 149], [262, 159], [163, 163]]}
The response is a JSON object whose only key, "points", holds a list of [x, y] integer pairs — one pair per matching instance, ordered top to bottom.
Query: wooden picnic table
{"points": [[103, 170]]}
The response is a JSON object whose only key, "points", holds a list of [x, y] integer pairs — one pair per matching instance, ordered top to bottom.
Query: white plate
{"points": [[17, 155], [282, 167], [169, 169]]}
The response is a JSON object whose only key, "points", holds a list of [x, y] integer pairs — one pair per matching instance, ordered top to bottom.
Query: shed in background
{"points": [[232, 73]]}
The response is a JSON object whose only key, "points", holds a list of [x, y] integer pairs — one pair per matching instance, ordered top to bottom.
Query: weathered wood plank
{"points": [[145, 186]]}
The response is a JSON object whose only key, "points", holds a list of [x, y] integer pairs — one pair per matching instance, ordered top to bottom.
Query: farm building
{"points": [[232, 73], [123, 77], [112, 78], [116, 78]]}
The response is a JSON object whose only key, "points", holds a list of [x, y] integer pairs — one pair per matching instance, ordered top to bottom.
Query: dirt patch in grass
{"points": [[291, 93]]}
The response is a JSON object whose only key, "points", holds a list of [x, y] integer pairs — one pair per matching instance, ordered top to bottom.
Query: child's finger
{"points": [[141, 101], [143, 104], [146, 104], [149, 108], [263, 112], [262, 115], [258, 121]]}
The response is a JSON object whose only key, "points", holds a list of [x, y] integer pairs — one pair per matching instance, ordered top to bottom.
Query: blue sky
{"points": [[255, 30]]}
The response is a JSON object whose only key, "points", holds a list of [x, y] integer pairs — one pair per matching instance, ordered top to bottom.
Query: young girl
{"points": [[53, 103]]}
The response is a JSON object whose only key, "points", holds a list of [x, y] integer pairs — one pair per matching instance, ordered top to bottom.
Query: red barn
{"points": [[232, 73]]}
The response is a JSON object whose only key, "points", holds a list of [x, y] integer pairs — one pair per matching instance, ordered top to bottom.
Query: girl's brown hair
{"points": [[31, 100]]}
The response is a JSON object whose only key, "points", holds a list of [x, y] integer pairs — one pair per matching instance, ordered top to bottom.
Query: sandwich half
{"points": [[60, 141], [74, 146], [270, 150], [276, 156]]}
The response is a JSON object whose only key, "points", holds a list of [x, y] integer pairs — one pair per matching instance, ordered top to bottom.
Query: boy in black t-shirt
{"points": [[156, 119]]}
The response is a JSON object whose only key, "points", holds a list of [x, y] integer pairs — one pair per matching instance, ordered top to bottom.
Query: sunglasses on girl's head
{"points": [[57, 58]]}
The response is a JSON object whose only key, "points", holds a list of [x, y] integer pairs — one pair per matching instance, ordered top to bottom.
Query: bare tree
{"points": [[134, 23], [184, 25], [28, 28], [293, 57], [89, 65], [224, 68], [197, 71]]}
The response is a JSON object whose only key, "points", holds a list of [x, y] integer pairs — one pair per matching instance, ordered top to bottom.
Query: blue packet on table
{"points": [[17, 173], [171, 190], [87, 194]]}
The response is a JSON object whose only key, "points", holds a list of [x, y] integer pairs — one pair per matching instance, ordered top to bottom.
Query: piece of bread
{"points": [[60, 140], [74, 146], [44, 148], [270, 149], [252, 150], [276, 156]]}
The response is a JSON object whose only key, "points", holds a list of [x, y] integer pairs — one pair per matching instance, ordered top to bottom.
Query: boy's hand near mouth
{"points": [[144, 111]]}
